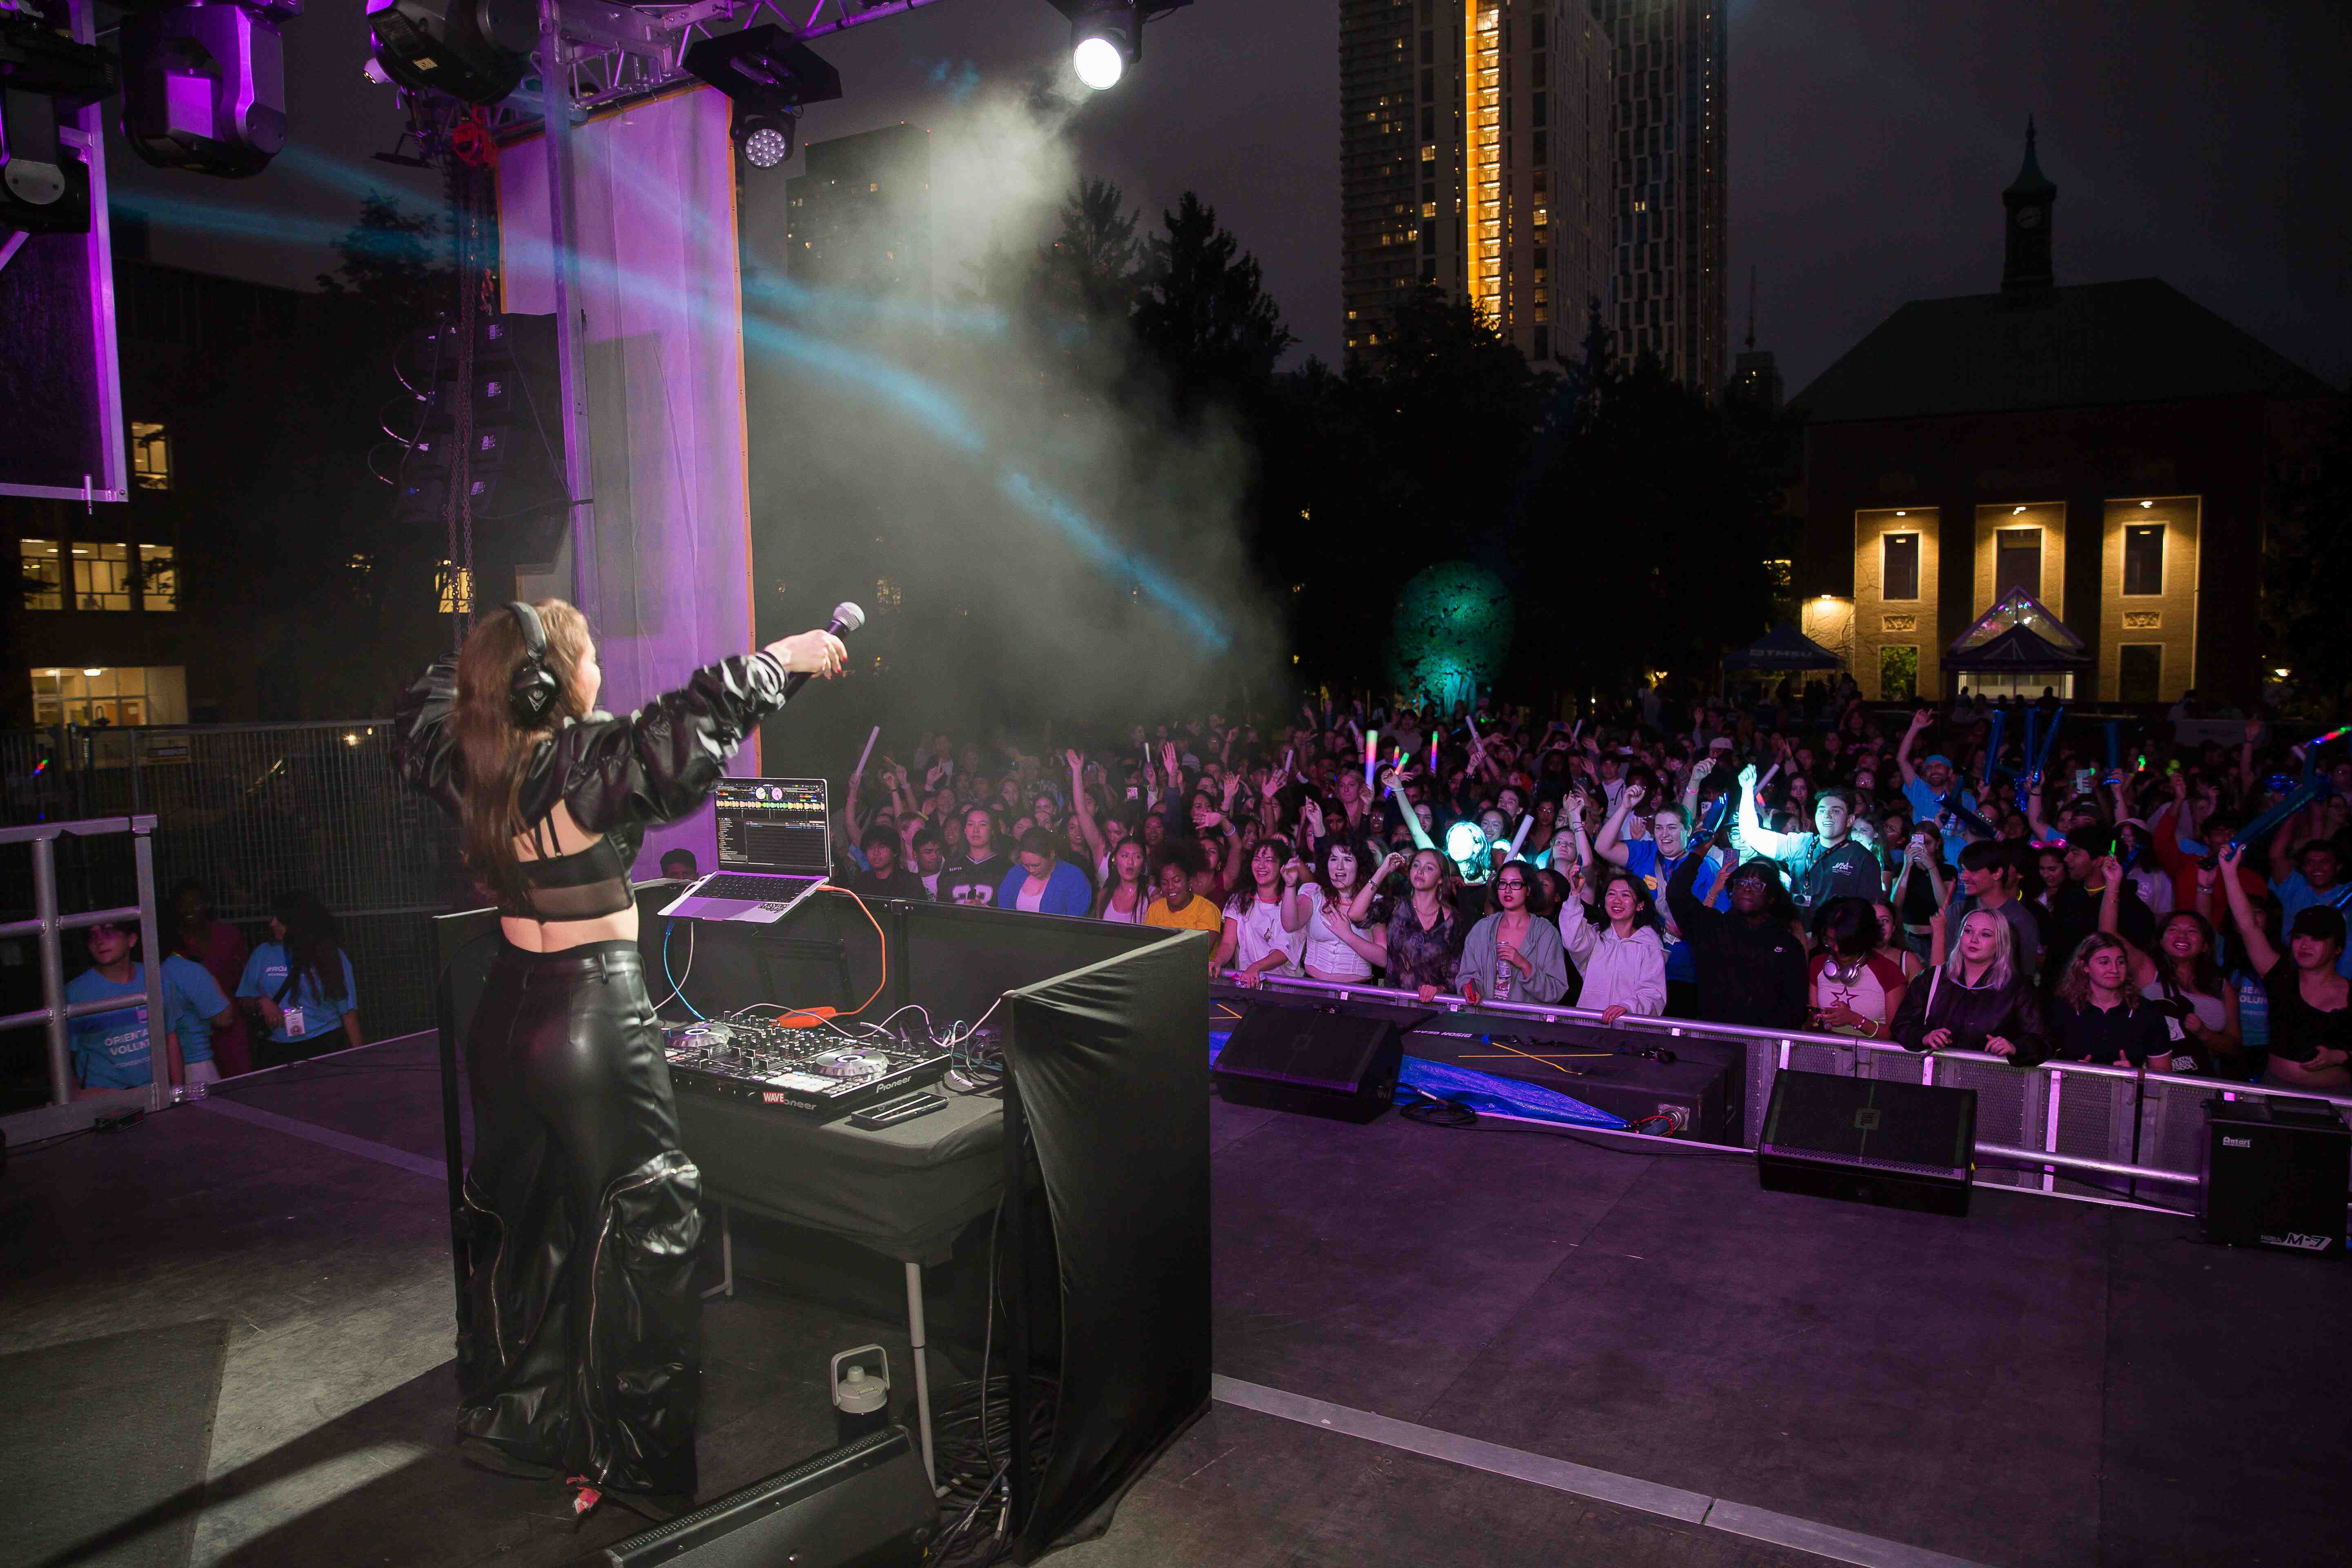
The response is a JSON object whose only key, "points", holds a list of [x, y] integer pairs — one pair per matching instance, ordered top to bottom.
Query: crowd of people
{"points": [[1803, 860], [229, 1007]]}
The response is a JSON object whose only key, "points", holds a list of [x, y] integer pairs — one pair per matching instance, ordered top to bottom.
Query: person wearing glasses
{"points": [[1514, 954]]}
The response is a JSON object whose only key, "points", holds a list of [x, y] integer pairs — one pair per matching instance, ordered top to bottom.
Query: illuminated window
{"points": [[150, 456], [2144, 561], [1902, 565], [40, 574], [102, 576], [158, 577], [456, 589], [885, 595], [1898, 674], [101, 696]]}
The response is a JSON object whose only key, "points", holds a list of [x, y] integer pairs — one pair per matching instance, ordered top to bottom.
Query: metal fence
{"points": [[250, 810], [2069, 1128]]}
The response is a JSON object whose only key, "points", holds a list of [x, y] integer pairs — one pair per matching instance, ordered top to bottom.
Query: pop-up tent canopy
{"points": [[2017, 633], [1783, 647]]}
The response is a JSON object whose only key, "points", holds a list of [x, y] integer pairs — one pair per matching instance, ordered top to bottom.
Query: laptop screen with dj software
{"points": [[775, 825]]}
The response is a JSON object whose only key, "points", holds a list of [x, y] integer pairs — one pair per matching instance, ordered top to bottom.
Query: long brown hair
{"points": [[494, 748], [2074, 987]]}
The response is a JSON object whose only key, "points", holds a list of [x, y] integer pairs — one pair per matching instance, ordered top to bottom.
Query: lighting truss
{"points": [[614, 55]]}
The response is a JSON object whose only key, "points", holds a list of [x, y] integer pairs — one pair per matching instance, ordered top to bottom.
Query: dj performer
{"points": [[581, 1359]]}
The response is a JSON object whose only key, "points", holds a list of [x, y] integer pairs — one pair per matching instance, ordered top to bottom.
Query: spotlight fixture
{"points": [[1106, 35], [446, 46], [771, 76], [203, 85], [767, 138], [44, 183]]}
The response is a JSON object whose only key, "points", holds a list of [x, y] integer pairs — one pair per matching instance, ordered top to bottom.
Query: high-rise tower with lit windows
{"points": [[1475, 155], [1669, 292]]}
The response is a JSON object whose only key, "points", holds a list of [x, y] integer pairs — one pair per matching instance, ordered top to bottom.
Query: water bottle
{"points": [[861, 1402]]}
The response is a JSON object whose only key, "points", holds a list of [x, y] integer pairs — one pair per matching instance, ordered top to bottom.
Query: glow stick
{"points": [[1575, 730], [2331, 735], [2048, 742], [1993, 743], [2114, 746], [869, 749], [1288, 752], [1371, 752], [1433, 753], [1768, 778], [2261, 826], [1521, 836]]}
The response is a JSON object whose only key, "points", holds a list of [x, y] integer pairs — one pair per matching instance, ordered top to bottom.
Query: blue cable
{"points": [[676, 989]]}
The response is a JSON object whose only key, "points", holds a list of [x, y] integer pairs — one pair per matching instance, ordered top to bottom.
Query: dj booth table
{"points": [[1104, 1107]]}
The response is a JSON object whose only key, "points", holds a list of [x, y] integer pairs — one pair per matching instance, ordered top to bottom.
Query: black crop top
{"points": [[616, 776]]}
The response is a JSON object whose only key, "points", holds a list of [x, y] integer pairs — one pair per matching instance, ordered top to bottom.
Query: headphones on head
{"points": [[534, 689]]}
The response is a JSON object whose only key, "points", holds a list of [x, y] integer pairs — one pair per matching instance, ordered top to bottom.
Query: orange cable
{"points": [[819, 1015]]}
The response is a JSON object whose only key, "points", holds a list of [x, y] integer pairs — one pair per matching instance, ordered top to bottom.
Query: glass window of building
{"points": [[150, 456], [2144, 559], [2017, 563], [1902, 565], [40, 573], [102, 576], [158, 577], [456, 590], [1899, 673], [2139, 674], [102, 696]]}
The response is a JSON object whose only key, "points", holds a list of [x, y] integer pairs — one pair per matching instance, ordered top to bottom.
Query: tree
{"points": [[393, 259], [1093, 267], [1204, 311], [1653, 511], [2308, 581]]}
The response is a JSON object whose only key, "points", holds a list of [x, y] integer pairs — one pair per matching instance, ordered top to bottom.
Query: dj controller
{"points": [[820, 1074]]}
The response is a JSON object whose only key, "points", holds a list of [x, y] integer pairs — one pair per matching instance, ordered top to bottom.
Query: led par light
{"points": [[445, 45], [771, 76], [203, 85], [44, 183]]}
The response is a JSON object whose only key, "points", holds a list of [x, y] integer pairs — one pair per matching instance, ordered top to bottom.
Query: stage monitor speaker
{"points": [[1314, 1063], [1906, 1145], [2274, 1174], [866, 1505]]}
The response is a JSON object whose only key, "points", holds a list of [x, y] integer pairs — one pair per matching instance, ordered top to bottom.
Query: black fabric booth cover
{"points": [[1113, 1066]]}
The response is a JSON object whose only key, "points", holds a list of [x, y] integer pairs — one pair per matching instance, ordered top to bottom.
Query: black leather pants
{"points": [[584, 1348]]}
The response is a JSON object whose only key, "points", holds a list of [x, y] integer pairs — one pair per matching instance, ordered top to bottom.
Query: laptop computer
{"points": [[775, 848]]}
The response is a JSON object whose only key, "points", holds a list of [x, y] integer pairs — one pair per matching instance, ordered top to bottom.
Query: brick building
{"points": [[2116, 450]]}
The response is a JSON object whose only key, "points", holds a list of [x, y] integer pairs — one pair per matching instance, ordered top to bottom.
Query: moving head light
{"points": [[449, 46], [771, 76], [203, 85], [44, 183]]}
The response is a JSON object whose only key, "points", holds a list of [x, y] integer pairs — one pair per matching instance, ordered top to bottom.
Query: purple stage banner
{"points": [[660, 292]]}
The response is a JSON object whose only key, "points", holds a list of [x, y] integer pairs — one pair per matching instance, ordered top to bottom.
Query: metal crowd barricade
{"points": [[65, 1113], [2071, 1129]]}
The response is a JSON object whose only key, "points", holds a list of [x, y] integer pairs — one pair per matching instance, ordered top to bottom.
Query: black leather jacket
{"points": [[617, 776]]}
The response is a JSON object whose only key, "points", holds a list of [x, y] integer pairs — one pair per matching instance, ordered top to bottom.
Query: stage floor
{"points": [[1434, 1348]]}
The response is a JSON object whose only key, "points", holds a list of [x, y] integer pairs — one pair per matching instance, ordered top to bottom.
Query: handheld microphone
{"points": [[846, 617]]}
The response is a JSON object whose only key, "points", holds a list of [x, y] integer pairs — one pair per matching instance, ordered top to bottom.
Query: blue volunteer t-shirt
{"points": [[1927, 807], [1642, 860], [265, 976], [192, 1000], [111, 1050]]}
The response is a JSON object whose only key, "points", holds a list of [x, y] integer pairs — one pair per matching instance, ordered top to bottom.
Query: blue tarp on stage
{"points": [[1482, 1091]]}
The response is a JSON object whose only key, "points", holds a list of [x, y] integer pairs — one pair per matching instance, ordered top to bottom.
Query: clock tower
{"points": [[2025, 265]]}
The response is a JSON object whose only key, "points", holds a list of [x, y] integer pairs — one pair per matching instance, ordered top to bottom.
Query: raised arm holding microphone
{"points": [[578, 1361]]}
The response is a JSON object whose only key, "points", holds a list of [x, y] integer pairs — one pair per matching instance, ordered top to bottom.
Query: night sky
{"points": [[2206, 145]]}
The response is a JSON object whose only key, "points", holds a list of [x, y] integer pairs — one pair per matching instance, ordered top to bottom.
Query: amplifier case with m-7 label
{"points": [[2274, 1174]]}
